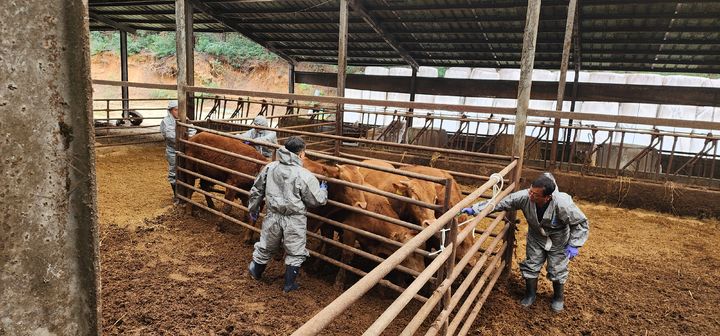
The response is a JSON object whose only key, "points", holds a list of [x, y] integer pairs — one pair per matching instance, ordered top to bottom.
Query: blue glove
{"points": [[323, 185], [475, 209], [469, 211], [253, 216], [571, 251]]}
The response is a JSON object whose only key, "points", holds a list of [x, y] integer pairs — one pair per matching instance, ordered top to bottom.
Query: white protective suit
{"points": [[167, 129], [261, 135], [288, 189], [562, 224]]}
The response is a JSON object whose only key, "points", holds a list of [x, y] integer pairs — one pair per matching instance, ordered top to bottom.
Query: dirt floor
{"points": [[166, 274]]}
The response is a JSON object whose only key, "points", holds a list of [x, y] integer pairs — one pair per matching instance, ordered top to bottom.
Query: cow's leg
{"points": [[207, 187], [187, 192], [230, 195], [312, 226], [248, 235], [345, 258]]}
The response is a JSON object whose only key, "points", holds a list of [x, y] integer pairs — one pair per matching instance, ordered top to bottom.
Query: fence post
{"points": [[569, 24], [342, 68], [523, 100], [449, 232]]}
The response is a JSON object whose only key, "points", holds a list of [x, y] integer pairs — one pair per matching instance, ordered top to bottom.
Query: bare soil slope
{"points": [[162, 273]]}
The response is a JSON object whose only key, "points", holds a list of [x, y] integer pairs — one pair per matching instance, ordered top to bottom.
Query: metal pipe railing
{"points": [[343, 138], [320, 155], [331, 180], [351, 249], [339, 305], [429, 305], [387, 317], [471, 318], [434, 329]]}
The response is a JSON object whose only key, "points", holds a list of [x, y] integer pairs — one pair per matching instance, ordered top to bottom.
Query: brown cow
{"points": [[224, 160], [380, 163], [416, 189], [336, 192], [455, 193], [455, 198], [379, 205]]}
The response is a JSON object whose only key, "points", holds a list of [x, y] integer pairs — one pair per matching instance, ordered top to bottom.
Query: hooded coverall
{"points": [[167, 129], [261, 135], [287, 188], [562, 224]]}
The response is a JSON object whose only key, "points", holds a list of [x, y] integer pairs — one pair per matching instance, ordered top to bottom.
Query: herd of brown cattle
{"points": [[416, 189]]}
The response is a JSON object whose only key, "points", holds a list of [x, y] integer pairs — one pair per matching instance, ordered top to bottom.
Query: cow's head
{"points": [[418, 191], [344, 194], [414, 261]]}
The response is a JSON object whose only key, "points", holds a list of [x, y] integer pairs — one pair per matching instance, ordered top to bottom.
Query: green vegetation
{"points": [[104, 41], [233, 48], [164, 94]]}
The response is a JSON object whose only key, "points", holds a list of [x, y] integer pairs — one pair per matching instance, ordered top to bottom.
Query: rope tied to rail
{"points": [[491, 202], [442, 243]]}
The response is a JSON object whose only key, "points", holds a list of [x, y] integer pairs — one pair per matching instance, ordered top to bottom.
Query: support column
{"points": [[567, 42], [185, 46], [577, 65], [342, 67], [124, 72], [185, 77], [291, 78], [291, 89], [523, 100], [411, 111], [50, 275]]}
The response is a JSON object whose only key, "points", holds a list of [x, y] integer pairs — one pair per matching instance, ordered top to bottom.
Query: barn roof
{"points": [[620, 35]]}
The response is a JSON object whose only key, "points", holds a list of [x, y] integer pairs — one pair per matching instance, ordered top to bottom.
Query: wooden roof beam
{"points": [[131, 3], [246, 20], [170, 22], [117, 25], [376, 25], [249, 34], [636, 42]]}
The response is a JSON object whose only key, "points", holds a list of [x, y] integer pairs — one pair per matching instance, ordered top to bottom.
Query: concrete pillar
{"points": [[49, 271]]}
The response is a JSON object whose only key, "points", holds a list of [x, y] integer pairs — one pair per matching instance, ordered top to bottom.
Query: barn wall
{"points": [[623, 192], [49, 272]]}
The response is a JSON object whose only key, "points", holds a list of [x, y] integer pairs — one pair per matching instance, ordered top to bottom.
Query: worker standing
{"points": [[167, 129], [260, 135], [288, 189], [556, 231]]}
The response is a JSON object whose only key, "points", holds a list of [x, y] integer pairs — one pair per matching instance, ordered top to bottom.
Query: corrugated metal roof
{"points": [[648, 35]]}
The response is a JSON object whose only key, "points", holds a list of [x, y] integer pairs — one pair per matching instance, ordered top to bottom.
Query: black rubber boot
{"points": [[175, 199], [256, 270], [291, 273], [530, 292], [558, 302]]}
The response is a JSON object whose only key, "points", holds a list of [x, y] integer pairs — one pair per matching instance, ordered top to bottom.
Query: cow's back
{"points": [[227, 144], [367, 171], [383, 181]]}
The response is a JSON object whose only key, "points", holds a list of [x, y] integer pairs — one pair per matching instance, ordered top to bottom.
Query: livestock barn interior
{"points": [[636, 172]]}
